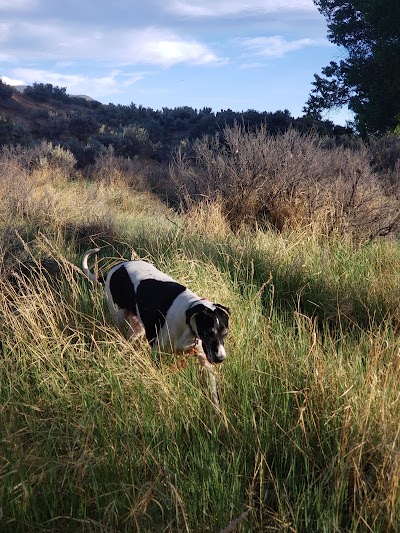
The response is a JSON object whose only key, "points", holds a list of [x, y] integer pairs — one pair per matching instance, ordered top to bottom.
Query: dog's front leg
{"points": [[135, 327], [206, 369]]}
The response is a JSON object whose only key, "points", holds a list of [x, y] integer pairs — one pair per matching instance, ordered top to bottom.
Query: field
{"points": [[98, 436]]}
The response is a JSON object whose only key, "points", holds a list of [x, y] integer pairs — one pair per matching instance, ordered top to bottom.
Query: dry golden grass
{"points": [[206, 218], [96, 435]]}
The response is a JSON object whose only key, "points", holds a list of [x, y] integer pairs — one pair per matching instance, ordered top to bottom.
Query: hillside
{"points": [[22, 108], [44, 112], [266, 169], [98, 434]]}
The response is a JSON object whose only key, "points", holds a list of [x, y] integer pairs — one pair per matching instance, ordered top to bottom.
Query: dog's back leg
{"points": [[127, 323]]}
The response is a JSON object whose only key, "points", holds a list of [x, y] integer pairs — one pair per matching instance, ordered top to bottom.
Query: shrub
{"points": [[6, 91], [44, 92], [83, 126], [6, 130], [12, 133], [385, 159], [52, 161], [109, 168], [28, 176], [286, 180], [37, 193]]}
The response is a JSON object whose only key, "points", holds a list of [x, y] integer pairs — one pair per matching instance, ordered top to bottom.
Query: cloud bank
{"points": [[210, 8], [154, 46], [276, 46], [105, 48], [112, 83]]}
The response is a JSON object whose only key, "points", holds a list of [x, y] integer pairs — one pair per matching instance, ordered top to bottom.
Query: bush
{"points": [[6, 91], [44, 92], [83, 126], [6, 130], [12, 133], [56, 159], [385, 159], [53, 162], [109, 168], [286, 180]]}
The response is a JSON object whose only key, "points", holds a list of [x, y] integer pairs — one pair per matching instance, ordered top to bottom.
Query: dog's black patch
{"points": [[122, 290], [154, 298]]}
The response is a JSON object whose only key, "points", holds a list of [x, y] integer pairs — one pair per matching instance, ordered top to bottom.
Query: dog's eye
{"points": [[212, 332]]}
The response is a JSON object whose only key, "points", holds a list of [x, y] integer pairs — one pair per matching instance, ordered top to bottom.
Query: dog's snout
{"points": [[214, 354], [220, 356]]}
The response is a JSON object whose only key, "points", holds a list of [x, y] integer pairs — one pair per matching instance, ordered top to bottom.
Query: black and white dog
{"points": [[172, 317]]}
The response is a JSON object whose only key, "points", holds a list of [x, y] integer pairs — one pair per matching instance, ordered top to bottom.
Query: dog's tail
{"points": [[85, 267]]}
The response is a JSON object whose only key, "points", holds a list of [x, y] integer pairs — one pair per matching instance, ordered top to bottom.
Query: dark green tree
{"points": [[368, 78], [6, 91], [44, 92], [83, 126], [6, 131]]}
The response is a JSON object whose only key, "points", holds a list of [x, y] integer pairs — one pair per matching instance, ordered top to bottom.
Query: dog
{"points": [[173, 318]]}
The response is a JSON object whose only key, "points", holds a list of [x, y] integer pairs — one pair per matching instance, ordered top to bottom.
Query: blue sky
{"points": [[237, 54]]}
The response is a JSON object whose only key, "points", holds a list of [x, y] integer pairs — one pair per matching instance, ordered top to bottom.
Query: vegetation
{"points": [[368, 79], [5, 91], [46, 91], [88, 128], [291, 180], [97, 436]]}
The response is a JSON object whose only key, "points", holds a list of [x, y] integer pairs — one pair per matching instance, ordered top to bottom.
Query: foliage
{"points": [[368, 80], [6, 91], [44, 92], [83, 126], [88, 127], [397, 128], [6, 130], [13, 133], [288, 181], [97, 436]]}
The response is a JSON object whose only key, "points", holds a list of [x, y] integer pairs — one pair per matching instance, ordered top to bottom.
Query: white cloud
{"points": [[15, 5], [211, 8], [5, 31], [152, 45], [276, 46], [162, 47], [169, 51], [7, 58], [11, 81], [96, 87]]}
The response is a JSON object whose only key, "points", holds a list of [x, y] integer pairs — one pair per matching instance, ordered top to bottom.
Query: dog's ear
{"points": [[224, 309], [192, 311], [191, 314]]}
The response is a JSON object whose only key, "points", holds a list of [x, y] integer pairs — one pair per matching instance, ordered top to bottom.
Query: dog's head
{"points": [[210, 325]]}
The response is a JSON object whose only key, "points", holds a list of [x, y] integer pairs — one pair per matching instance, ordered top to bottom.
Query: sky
{"points": [[222, 54]]}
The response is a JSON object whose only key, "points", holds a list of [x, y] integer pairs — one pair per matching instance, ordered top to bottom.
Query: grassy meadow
{"points": [[97, 436]]}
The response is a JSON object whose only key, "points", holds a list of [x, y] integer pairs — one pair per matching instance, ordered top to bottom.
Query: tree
{"points": [[368, 79], [6, 91], [43, 92], [83, 126], [6, 131]]}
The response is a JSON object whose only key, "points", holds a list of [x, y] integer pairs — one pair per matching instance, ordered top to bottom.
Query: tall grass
{"points": [[96, 435]]}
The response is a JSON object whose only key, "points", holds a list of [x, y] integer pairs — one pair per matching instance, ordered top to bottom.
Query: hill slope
{"points": [[47, 111], [98, 435]]}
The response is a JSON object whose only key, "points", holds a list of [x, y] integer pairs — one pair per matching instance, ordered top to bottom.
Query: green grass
{"points": [[95, 435]]}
